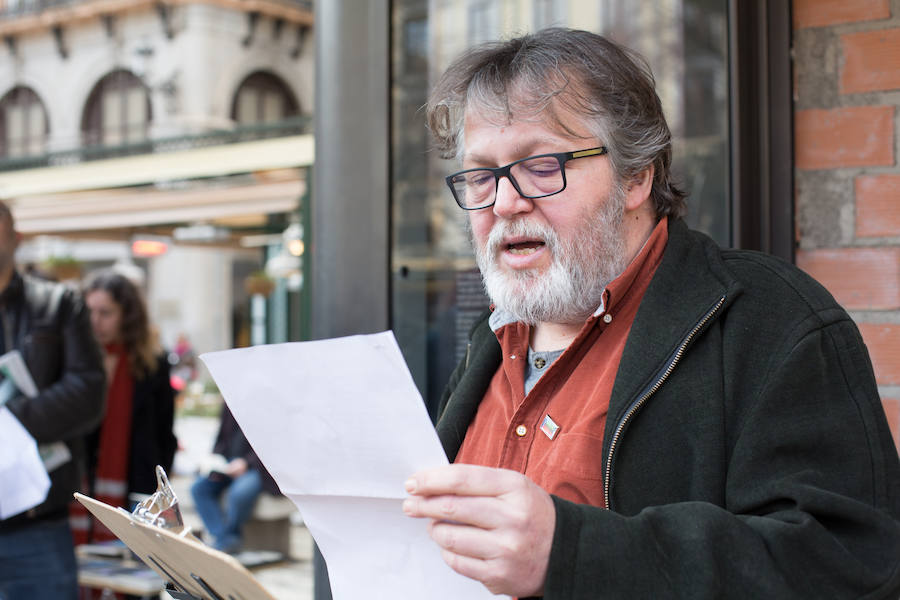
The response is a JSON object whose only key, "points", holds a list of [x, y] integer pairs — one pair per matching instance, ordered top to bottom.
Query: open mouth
{"points": [[524, 248]]}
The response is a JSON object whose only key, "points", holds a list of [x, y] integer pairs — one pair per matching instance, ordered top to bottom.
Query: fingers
{"points": [[462, 480], [477, 511], [493, 525], [475, 542], [504, 561], [481, 570]]}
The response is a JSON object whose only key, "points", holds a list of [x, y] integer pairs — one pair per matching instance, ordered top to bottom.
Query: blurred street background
{"points": [[263, 171], [290, 579]]}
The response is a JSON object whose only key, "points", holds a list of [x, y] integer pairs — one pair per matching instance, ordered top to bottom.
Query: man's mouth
{"points": [[525, 247]]}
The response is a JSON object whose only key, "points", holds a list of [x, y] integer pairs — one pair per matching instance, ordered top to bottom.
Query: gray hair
{"points": [[536, 75]]}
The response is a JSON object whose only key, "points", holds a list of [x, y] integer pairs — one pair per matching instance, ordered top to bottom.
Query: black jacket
{"points": [[49, 324], [152, 440], [232, 443], [746, 451]]}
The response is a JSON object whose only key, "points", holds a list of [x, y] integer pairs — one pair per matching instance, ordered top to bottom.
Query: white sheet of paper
{"points": [[340, 425], [25, 480]]}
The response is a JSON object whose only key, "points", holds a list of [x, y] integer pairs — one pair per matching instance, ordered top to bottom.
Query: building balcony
{"points": [[245, 133]]}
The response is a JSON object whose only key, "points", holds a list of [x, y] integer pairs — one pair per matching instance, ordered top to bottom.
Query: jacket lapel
{"points": [[689, 282], [482, 360]]}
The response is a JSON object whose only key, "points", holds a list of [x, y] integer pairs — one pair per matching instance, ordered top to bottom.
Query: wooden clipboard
{"points": [[196, 570]]}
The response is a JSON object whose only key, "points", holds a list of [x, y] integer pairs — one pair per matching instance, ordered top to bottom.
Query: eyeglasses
{"points": [[533, 177]]}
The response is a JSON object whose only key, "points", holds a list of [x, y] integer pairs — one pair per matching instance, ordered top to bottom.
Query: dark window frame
{"points": [[761, 109]]}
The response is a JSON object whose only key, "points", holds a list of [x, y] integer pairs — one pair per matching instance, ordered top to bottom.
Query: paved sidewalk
{"points": [[293, 580]]}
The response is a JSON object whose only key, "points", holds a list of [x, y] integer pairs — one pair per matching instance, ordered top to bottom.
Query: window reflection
{"points": [[436, 287]]}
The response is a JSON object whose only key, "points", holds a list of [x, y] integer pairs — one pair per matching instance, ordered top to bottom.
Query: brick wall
{"points": [[846, 127]]}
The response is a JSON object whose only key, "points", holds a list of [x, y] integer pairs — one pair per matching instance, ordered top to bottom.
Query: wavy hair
{"points": [[557, 72], [137, 337]]}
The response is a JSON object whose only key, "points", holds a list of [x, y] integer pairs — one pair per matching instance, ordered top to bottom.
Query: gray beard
{"points": [[571, 288]]}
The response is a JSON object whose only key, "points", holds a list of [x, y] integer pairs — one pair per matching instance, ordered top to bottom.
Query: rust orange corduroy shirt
{"points": [[574, 393]]}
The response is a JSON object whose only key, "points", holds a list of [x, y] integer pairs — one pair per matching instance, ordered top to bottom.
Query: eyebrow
{"points": [[521, 150]]}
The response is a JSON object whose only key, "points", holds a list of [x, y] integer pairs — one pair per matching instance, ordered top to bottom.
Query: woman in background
{"points": [[136, 434]]}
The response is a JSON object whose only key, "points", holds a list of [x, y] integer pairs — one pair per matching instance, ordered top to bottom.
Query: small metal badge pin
{"points": [[549, 427]]}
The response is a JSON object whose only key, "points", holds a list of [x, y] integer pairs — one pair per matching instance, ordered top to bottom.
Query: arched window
{"points": [[263, 98], [117, 111], [23, 123]]}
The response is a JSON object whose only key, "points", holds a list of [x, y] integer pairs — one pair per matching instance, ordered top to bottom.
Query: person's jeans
{"points": [[224, 520], [37, 562]]}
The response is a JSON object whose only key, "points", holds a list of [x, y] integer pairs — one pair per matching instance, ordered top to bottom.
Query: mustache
{"points": [[503, 229]]}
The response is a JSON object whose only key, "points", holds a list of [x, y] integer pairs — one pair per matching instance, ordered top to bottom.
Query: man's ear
{"points": [[637, 191]]}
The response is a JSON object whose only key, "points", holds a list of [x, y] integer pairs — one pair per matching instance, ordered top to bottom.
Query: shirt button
{"points": [[607, 318], [539, 363], [521, 430]]}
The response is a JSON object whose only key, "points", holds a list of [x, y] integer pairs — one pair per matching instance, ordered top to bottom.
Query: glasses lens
{"points": [[538, 176], [474, 188]]}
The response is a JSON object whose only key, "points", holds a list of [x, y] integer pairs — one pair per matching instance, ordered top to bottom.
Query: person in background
{"points": [[48, 323], [642, 414], [137, 431], [240, 479]]}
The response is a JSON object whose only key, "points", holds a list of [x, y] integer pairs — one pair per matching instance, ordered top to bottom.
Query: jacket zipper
{"points": [[620, 427]]}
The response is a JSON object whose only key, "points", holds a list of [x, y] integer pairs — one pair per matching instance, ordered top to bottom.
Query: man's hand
{"points": [[236, 467], [493, 525]]}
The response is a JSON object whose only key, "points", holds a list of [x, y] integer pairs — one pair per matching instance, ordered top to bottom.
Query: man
{"points": [[47, 322], [645, 414]]}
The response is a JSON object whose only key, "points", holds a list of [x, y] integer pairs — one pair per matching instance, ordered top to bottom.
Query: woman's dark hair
{"points": [[139, 341]]}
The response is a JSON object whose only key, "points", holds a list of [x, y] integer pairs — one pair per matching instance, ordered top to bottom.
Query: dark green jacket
{"points": [[746, 451]]}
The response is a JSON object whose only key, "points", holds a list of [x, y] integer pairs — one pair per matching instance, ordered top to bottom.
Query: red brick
{"points": [[817, 13], [871, 61], [845, 137], [878, 205], [858, 278], [883, 342], [892, 410]]}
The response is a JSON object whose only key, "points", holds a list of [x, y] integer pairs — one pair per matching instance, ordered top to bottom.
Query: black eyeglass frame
{"points": [[561, 157]]}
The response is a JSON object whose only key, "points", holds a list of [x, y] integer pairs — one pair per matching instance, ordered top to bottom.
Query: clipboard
{"points": [[197, 571]]}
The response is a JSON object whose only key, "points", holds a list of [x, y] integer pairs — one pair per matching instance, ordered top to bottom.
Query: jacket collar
{"points": [[690, 281]]}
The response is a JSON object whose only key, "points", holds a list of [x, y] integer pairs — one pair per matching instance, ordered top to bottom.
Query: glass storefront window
{"points": [[436, 288]]}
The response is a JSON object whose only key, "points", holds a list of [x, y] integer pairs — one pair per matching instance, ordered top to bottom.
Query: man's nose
{"points": [[508, 201]]}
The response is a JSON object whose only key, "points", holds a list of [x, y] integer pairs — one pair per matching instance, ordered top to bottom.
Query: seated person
{"points": [[241, 477]]}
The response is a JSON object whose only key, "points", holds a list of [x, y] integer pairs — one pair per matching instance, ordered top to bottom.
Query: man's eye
{"points": [[542, 168], [479, 179]]}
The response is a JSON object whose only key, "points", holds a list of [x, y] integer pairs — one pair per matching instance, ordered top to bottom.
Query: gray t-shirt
{"points": [[538, 363]]}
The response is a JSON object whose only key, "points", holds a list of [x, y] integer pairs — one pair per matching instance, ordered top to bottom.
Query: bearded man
{"points": [[641, 414]]}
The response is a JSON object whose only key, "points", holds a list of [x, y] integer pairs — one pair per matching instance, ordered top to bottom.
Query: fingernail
{"points": [[410, 485], [407, 507]]}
